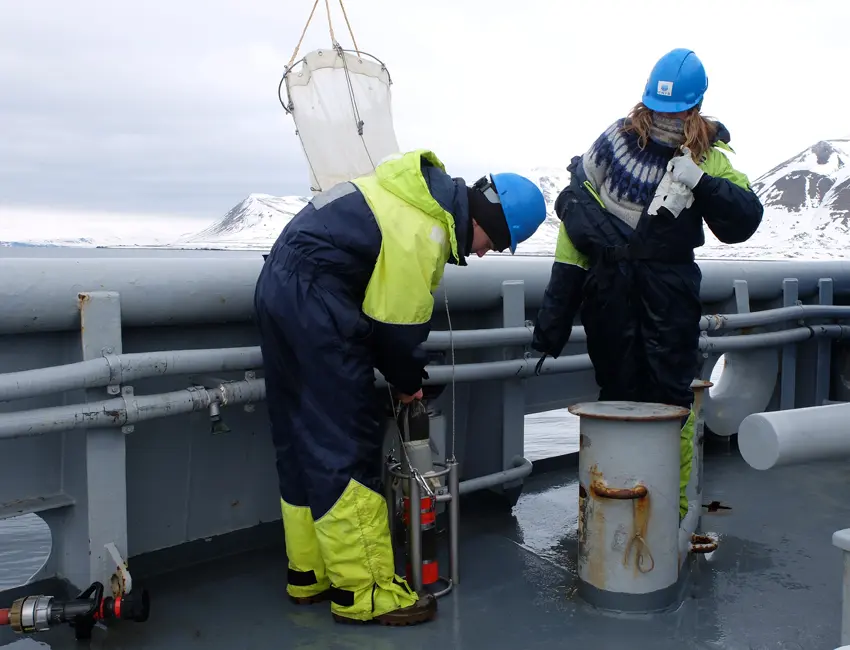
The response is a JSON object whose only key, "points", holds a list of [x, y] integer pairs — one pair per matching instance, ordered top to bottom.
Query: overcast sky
{"points": [[170, 108]]}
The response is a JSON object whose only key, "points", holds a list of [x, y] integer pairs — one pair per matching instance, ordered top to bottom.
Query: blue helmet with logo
{"points": [[677, 82], [522, 204]]}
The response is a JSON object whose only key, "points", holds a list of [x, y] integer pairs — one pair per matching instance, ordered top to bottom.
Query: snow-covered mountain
{"points": [[815, 180], [551, 181], [806, 198], [807, 208], [254, 223], [804, 224]]}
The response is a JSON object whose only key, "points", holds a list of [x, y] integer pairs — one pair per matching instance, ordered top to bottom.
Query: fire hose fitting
{"points": [[33, 614]]}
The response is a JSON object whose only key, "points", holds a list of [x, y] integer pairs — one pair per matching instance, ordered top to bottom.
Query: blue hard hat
{"points": [[676, 83], [522, 203]]}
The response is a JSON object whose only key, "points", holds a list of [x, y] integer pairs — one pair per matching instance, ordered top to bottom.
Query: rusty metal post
{"points": [[628, 529], [91, 536]]}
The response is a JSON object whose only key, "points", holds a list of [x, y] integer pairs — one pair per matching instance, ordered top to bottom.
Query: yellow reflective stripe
{"points": [[593, 193], [567, 253], [686, 456]]}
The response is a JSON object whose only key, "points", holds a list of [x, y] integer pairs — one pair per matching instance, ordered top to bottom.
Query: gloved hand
{"points": [[684, 170], [671, 195], [407, 399]]}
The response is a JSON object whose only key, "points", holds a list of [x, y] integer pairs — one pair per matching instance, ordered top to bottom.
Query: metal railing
{"points": [[87, 454]]}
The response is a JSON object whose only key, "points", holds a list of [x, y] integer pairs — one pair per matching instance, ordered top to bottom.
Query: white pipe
{"points": [[744, 388], [794, 436], [521, 468]]}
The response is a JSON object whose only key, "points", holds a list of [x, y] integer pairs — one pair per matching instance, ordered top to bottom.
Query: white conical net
{"points": [[342, 107]]}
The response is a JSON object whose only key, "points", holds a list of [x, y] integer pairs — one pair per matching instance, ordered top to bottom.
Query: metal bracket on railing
{"points": [[114, 387], [127, 391], [249, 407], [217, 425], [451, 494]]}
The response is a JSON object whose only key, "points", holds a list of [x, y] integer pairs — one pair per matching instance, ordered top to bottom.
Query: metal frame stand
{"points": [[449, 494]]}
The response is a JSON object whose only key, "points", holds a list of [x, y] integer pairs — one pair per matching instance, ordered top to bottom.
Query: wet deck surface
{"points": [[775, 582]]}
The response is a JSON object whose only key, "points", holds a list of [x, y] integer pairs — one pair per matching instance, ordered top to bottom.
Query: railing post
{"points": [[742, 296], [824, 348], [788, 377], [513, 390], [94, 460], [841, 539]]}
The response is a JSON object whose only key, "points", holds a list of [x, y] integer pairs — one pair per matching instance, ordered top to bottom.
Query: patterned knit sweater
{"points": [[626, 176]]}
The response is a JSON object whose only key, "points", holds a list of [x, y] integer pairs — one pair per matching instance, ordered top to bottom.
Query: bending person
{"points": [[347, 288]]}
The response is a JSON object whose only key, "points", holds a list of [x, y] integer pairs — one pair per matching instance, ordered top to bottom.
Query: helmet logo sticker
{"points": [[665, 88]]}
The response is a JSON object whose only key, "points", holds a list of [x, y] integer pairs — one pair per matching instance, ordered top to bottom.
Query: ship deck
{"points": [[774, 582]]}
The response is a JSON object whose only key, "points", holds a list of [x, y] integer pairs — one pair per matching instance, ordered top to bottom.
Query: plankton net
{"points": [[341, 104]]}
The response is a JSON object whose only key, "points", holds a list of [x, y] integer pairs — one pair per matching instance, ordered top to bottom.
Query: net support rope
{"points": [[330, 29]]}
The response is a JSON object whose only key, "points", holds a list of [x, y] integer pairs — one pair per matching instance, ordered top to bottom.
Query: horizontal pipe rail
{"points": [[41, 294], [772, 316], [482, 338], [773, 339], [126, 368], [511, 369], [127, 409], [130, 409], [522, 468]]}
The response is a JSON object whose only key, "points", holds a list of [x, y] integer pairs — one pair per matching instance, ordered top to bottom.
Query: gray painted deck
{"points": [[775, 582]]}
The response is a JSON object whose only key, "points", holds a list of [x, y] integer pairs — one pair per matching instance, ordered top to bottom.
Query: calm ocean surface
{"points": [[25, 541]]}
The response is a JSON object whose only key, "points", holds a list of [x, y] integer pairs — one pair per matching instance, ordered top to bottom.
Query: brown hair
{"points": [[700, 132]]}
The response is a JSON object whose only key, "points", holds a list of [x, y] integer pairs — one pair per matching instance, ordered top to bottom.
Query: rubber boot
{"points": [[422, 611]]}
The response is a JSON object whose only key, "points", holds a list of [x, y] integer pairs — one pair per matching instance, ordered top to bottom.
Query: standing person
{"points": [[631, 217], [347, 288]]}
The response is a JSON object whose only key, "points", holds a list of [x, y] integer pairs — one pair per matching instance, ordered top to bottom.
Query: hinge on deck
{"points": [[121, 581]]}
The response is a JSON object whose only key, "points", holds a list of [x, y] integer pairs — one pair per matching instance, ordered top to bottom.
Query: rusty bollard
{"points": [[628, 528]]}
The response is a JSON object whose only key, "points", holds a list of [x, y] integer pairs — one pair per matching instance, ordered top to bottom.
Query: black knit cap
{"points": [[490, 217]]}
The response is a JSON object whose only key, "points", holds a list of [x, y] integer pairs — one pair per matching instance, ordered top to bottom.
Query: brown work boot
{"points": [[310, 600], [422, 611]]}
